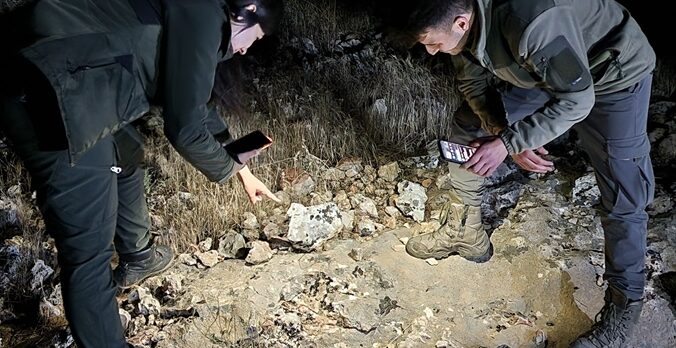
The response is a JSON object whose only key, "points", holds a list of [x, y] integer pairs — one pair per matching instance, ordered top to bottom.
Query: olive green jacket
{"points": [[574, 49], [108, 61]]}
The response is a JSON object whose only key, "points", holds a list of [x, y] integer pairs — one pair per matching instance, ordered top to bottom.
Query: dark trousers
{"points": [[615, 138], [89, 210]]}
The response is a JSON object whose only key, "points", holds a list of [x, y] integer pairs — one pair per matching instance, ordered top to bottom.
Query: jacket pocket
{"points": [[605, 67], [96, 83], [632, 173]]}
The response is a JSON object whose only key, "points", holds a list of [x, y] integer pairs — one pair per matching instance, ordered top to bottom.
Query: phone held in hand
{"points": [[255, 140], [454, 152]]}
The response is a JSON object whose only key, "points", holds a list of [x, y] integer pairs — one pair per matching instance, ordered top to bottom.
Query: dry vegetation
{"points": [[375, 105]]}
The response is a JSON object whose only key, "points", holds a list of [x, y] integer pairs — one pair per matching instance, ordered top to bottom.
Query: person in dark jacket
{"points": [[530, 70], [83, 72]]}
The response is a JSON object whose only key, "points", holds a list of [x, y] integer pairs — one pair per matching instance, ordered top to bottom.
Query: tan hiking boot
{"points": [[461, 233]]}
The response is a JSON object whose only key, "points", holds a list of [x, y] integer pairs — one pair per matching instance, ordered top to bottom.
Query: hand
{"points": [[490, 154], [246, 156], [532, 161], [254, 188]]}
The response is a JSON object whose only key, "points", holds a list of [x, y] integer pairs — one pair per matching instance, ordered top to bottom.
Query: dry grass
{"points": [[9, 5], [323, 21], [664, 79], [376, 106], [29, 236]]}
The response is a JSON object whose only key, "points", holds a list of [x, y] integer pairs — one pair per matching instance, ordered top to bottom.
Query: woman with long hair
{"points": [[79, 73]]}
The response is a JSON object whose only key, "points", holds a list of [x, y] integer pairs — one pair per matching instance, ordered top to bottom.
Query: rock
{"points": [[379, 108], [661, 112], [656, 135], [666, 150], [422, 162], [350, 166], [390, 171], [334, 174], [297, 181], [444, 181], [303, 185], [14, 191], [585, 191], [184, 197], [320, 198], [412, 199], [342, 201], [662, 204], [364, 205], [392, 211], [9, 214], [348, 220], [249, 221], [390, 222], [309, 227], [366, 228], [271, 230], [251, 235], [205, 245], [232, 245], [398, 247], [260, 253], [357, 254], [209, 258], [187, 259], [432, 262], [39, 274], [171, 286], [144, 303], [49, 312], [125, 318]]}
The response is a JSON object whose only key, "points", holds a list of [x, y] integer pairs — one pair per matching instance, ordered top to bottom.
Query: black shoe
{"points": [[134, 268], [614, 323]]}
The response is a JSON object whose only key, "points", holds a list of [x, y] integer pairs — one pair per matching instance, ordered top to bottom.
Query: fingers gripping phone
{"points": [[255, 140], [454, 152]]}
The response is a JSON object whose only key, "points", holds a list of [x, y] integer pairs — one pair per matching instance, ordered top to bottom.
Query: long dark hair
{"points": [[228, 91]]}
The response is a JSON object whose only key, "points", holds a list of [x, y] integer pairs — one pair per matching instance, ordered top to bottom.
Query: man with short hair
{"points": [[530, 70]]}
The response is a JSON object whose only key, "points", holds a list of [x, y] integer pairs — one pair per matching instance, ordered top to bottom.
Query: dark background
{"points": [[657, 23]]}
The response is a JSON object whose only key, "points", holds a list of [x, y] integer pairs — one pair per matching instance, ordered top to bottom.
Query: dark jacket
{"points": [[574, 49], [108, 61]]}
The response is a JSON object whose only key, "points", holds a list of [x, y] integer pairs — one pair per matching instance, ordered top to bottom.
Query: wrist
{"points": [[504, 138], [244, 172]]}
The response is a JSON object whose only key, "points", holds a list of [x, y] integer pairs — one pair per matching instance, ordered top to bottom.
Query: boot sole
{"points": [[456, 250]]}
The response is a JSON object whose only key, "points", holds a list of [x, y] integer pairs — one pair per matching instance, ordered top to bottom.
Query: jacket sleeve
{"points": [[192, 37], [552, 47], [473, 82]]}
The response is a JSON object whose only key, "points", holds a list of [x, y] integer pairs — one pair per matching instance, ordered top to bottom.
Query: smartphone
{"points": [[255, 140], [454, 152]]}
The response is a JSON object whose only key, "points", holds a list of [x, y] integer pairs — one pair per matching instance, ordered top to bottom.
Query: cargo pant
{"points": [[615, 138], [91, 209]]}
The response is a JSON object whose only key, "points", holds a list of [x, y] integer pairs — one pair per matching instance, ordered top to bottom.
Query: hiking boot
{"points": [[461, 233], [135, 267], [614, 323]]}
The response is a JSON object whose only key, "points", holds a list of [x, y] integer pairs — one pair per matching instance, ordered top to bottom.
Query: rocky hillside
{"points": [[327, 267]]}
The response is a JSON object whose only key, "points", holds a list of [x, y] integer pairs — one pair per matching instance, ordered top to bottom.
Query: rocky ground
{"points": [[327, 268]]}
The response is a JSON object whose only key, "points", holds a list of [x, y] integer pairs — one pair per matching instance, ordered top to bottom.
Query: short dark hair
{"points": [[268, 13], [406, 20]]}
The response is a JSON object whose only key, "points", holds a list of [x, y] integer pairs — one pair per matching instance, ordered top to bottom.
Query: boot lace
{"points": [[609, 327]]}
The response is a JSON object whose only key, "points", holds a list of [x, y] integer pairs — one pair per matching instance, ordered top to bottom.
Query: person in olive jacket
{"points": [[530, 70], [82, 72]]}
